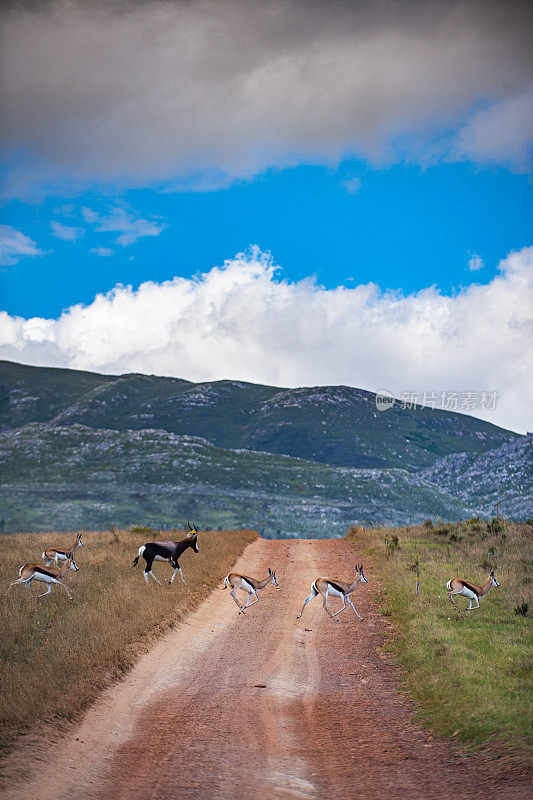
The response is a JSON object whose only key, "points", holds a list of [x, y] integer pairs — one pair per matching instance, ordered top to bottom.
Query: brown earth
{"points": [[263, 705]]}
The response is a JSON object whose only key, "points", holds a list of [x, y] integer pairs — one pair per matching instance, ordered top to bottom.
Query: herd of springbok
{"points": [[171, 551]]}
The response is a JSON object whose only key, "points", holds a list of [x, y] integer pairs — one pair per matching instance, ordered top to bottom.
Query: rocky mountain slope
{"points": [[331, 424], [80, 450], [503, 475], [77, 477]]}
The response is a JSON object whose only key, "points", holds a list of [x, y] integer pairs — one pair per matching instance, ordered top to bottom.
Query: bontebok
{"points": [[167, 551], [45, 574], [235, 581], [458, 586], [329, 587]]}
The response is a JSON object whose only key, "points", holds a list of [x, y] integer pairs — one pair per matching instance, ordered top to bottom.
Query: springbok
{"points": [[167, 551], [57, 555], [45, 574], [249, 585], [334, 588], [470, 590]]}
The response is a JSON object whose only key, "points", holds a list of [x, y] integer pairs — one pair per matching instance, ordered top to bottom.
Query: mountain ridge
{"points": [[337, 425], [158, 450]]}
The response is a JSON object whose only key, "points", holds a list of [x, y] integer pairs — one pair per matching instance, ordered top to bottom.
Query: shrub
{"points": [[428, 524], [474, 524], [495, 525], [141, 529], [393, 544], [522, 608]]}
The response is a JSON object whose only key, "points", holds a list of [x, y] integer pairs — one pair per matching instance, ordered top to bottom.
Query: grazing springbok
{"points": [[167, 551], [57, 555], [45, 574], [249, 585], [328, 587], [470, 590]]}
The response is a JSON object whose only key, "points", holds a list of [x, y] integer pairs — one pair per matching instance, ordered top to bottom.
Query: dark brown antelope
{"points": [[167, 551], [56, 554], [45, 574], [249, 585], [458, 586], [329, 587]]}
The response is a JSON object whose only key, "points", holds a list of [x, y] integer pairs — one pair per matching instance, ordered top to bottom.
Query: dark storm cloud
{"points": [[156, 91]]}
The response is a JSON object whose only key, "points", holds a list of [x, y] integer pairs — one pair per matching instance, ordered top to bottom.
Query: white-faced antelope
{"points": [[167, 551], [56, 554], [45, 574], [235, 581], [329, 587], [470, 590]]}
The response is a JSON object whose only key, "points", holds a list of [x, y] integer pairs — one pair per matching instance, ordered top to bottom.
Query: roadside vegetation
{"points": [[55, 656], [470, 674]]}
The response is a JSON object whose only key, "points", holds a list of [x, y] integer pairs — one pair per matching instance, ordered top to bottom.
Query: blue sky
{"points": [[372, 162], [403, 228]]}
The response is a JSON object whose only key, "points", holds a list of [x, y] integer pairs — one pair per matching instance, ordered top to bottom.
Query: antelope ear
{"points": [[196, 529]]}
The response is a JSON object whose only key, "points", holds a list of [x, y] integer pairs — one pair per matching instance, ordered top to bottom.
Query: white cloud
{"points": [[162, 91], [500, 134], [352, 185], [66, 210], [89, 215], [123, 222], [129, 227], [67, 233], [14, 245], [103, 252], [475, 263], [242, 321]]}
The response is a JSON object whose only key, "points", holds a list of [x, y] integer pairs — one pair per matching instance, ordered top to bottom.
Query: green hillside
{"points": [[332, 424], [80, 450], [69, 477]]}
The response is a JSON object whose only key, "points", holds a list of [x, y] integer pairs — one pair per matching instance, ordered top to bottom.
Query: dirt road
{"points": [[262, 705]]}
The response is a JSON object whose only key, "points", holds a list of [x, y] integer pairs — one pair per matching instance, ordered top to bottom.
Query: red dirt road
{"points": [[193, 721]]}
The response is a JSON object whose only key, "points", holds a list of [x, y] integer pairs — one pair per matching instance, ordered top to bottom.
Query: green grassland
{"points": [[470, 674]]}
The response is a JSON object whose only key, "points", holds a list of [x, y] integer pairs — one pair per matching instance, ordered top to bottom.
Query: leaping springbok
{"points": [[167, 551], [57, 555], [45, 574], [249, 585], [334, 588], [470, 590]]}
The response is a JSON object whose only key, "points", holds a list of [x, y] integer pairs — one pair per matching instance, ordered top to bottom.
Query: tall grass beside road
{"points": [[55, 656], [470, 674]]}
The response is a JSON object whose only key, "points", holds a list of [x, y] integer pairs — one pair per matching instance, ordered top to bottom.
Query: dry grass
{"points": [[56, 655], [469, 673]]}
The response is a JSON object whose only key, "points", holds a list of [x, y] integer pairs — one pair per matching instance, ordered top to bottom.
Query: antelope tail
{"points": [[142, 548]]}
